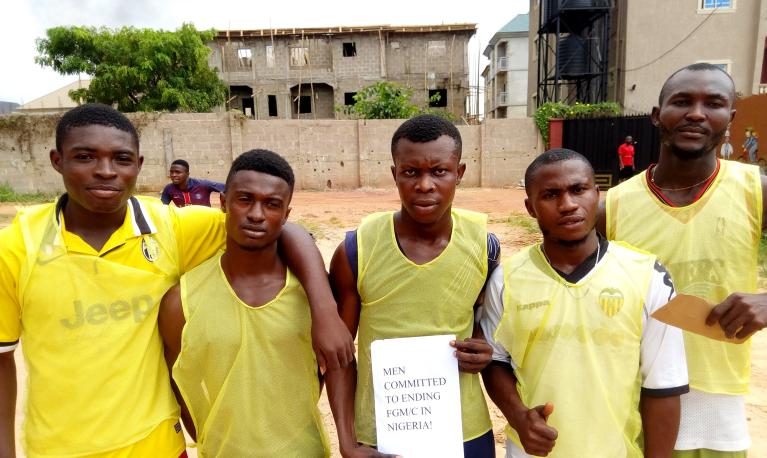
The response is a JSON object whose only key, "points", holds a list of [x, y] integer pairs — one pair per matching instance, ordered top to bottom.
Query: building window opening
{"points": [[350, 49], [244, 55], [299, 57], [349, 98], [438, 98], [272, 102], [303, 104], [248, 107]]}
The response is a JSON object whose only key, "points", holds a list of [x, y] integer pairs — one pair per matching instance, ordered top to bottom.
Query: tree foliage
{"points": [[138, 69], [389, 100]]}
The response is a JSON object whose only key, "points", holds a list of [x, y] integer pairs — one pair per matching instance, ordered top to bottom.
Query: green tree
{"points": [[138, 69], [384, 100], [388, 100]]}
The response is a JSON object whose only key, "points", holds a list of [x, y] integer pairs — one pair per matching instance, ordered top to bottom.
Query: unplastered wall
{"points": [[325, 154]]}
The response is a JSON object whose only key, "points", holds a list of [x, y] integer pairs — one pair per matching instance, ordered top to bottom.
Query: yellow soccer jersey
{"points": [[710, 247], [402, 299], [598, 327], [97, 379], [246, 396]]}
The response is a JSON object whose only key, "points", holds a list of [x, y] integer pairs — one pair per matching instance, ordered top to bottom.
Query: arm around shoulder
{"points": [[331, 340]]}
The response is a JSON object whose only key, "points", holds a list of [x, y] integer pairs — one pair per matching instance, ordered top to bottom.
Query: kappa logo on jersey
{"points": [[150, 249], [611, 301], [532, 305]]}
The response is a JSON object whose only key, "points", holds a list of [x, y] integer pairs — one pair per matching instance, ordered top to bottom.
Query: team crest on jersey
{"points": [[150, 249], [611, 301]]}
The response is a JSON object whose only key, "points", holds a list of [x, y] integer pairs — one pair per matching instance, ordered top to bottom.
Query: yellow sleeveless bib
{"points": [[710, 248], [403, 299], [578, 347], [248, 375], [97, 376]]}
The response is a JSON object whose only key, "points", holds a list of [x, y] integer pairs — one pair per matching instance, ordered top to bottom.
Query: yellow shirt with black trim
{"points": [[710, 247], [402, 299], [585, 334], [97, 379]]}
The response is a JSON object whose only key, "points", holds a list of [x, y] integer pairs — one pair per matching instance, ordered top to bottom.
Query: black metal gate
{"points": [[598, 139]]}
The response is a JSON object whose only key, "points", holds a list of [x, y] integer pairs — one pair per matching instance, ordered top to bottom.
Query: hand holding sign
{"points": [[692, 314], [740, 315], [473, 354], [417, 397]]}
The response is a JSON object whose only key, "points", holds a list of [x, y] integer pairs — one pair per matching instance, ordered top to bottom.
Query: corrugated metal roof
{"points": [[520, 23]]}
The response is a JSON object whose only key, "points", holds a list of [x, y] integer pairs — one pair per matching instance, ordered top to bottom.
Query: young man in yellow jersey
{"points": [[703, 218], [414, 272], [81, 281], [226, 327], [579, 367]]}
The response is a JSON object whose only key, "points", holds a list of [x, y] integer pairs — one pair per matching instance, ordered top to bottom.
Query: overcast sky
{"points": [[25, 20]]}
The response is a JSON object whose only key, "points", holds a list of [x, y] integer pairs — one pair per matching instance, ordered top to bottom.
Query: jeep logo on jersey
{"points": [[150, 248], [611, 301], [137, 308]]}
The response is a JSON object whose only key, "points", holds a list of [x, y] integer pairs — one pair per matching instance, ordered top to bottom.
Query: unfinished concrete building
{"points": [[313, 73]]}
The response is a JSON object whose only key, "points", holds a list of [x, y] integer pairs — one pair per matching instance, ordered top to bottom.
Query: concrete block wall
{"points": [[325, 154]]}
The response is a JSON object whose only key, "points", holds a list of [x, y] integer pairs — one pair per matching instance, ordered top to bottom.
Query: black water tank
{"points": [[553, 7], [572, 57]]}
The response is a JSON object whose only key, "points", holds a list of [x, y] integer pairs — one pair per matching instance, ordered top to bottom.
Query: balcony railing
{"points": [[763, 88], [503, 99]]}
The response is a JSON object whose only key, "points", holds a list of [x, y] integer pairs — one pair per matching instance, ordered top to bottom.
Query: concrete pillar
{"points": [[235, 135]]}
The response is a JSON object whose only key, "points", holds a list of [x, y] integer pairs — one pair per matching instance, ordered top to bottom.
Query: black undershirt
{"points": [[587, 265]]}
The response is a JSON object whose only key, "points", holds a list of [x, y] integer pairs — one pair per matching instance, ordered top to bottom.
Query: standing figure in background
{"points": [[751, 145], [726, 150], [626, 156], [184, 190]]}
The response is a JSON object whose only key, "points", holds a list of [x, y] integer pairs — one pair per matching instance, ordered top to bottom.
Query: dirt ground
{"points": [[329, 214]]}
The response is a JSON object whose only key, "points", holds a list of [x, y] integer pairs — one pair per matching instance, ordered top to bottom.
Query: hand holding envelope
{"points": [[690, 314]]}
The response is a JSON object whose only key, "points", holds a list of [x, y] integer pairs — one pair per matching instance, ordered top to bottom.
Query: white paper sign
{"points": [[417, 397]]}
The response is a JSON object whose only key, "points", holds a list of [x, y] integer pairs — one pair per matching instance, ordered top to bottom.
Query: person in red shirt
{"points": [[626, 155]]}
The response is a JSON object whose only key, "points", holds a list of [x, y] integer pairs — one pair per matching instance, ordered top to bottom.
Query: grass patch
{"points": [[8, 194], [523, 221], [335, 222]]}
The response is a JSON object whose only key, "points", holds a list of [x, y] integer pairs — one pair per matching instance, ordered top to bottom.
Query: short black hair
{"points": [[699, 67], [93, 114], [426, 128], [552, 156], [264, 161], [180, 162]]}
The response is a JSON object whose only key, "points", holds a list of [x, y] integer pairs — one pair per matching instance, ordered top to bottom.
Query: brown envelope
{"points": [[689, 313]]}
